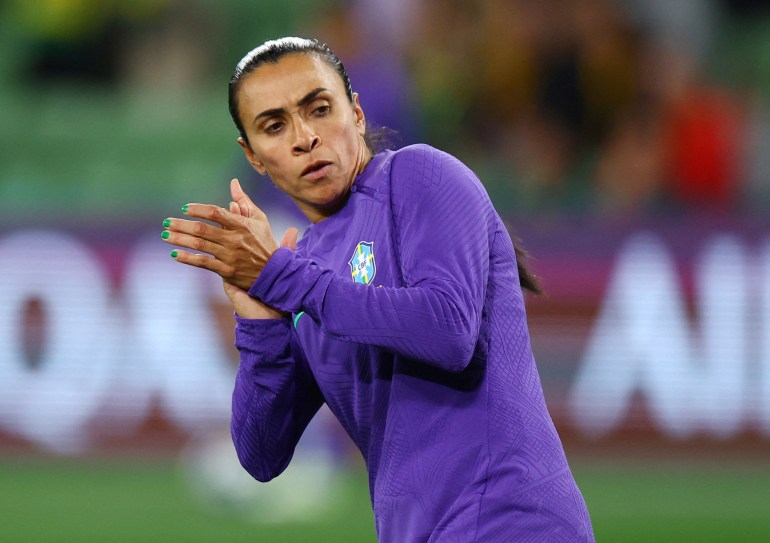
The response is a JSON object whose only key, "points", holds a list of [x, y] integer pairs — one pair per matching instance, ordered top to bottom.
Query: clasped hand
{"points": [[237, 249]]}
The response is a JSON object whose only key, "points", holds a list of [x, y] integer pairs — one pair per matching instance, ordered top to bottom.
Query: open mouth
{"points": [[316, 169]]}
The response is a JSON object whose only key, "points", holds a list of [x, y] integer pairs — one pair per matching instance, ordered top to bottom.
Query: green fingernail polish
{"points": [[184, 208], [167, 223], [165, 235], [174, 254]]}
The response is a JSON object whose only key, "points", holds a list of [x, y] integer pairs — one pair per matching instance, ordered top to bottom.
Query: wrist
{"points": [[258, 311]]}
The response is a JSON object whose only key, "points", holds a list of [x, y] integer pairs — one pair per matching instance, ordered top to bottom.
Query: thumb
{"points": [[247, 207], [289, 238]]}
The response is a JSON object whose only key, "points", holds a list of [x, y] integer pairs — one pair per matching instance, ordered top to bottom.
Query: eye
{"points": [[321, 111], [273, 128]]}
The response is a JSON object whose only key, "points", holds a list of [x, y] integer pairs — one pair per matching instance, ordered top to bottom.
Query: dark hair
{"points": [[272, 51], [528, 280]]}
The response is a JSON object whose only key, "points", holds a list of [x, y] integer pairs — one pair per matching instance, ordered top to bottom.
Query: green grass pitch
{"points": [[148, 501]]}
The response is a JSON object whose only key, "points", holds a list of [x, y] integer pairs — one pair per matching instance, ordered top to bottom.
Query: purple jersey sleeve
{"points": [[442, 230], [275, 397]]}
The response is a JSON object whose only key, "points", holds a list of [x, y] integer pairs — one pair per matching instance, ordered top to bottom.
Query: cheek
{"points": [[349, 139], [271, 159]]}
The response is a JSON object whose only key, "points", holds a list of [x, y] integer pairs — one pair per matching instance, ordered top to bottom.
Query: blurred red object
{"points": [[703, 136]]}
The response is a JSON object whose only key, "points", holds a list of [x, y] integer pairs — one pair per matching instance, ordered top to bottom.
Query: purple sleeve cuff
{"points": [[275, 265], [292, 283], [266, 338]]}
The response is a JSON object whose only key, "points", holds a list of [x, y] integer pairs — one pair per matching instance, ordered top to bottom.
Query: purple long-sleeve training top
{"points": [[408, 321]]}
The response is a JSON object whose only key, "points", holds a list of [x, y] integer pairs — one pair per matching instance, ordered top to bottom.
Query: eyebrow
{"points": [[280, 111]]}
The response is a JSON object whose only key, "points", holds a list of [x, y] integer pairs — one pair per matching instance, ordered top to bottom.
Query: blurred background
{"points": [[627, 143]]}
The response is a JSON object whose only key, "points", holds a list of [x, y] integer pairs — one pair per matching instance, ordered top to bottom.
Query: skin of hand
{"points": [[239, 247], [243, 304]]}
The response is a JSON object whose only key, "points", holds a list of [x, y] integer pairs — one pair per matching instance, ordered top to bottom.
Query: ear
{"points": [[359, 115], [251, 157]]}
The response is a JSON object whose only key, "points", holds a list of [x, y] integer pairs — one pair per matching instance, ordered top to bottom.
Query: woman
{"points": [[401, 308]]}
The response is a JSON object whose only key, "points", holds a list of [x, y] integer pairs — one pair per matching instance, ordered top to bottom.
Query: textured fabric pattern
{"points": [[428, 368]]}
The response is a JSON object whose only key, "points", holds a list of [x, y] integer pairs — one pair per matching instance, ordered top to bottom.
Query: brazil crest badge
{"points": [[362, 265]]}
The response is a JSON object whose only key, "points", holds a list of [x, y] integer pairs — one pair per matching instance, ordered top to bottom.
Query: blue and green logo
{"points": [[362, 265]]}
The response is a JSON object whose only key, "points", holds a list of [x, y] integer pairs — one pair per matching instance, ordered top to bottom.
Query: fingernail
{"points": [[184, 208], [167, 223], [165, 235], [174, 254]]}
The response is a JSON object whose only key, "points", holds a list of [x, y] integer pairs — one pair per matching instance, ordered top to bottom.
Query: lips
{"points": [[316, 169]]}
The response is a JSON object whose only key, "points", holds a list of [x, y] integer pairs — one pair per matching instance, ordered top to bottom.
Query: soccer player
{"points": [[401, 308]]}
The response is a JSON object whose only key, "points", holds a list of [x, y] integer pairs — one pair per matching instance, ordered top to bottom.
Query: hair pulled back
{"points": [[272, 51]]}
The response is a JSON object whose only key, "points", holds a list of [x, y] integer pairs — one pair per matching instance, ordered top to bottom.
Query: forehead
{"points": [[284, 83]]}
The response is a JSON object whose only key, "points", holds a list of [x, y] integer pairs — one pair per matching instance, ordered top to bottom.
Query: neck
{"points": [[364, 158]]}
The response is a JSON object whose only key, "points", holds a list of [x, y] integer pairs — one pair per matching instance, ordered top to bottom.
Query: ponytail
{"points": [[527, 279]]}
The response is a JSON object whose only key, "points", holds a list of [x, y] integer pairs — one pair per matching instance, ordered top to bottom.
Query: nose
{"points": [[305, 138]]}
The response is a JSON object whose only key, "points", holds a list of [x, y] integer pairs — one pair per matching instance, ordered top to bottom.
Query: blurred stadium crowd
{"points": [[614, 108], [587, 120]]}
